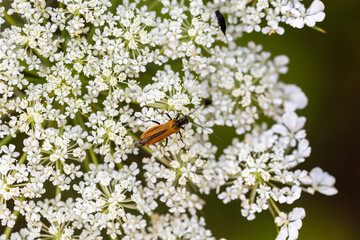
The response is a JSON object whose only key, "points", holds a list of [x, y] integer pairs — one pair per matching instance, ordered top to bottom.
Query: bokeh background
{"points": [[327, 68]]}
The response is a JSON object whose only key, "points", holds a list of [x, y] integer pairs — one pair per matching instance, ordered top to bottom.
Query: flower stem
{"points": [[153, 5], [10, 19], [63, 32], [44, 60], [26, 70], [36, 80], [5, 140], [91, 151], [93, 156], [23, 158], [21, 161], [86, 161], [58, 191], [253, 193], [273, 204], [271, 209], [8, 229]]}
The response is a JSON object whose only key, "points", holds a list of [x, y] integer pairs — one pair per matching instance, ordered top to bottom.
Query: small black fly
{"points": [[221, 21], [207, 102]]}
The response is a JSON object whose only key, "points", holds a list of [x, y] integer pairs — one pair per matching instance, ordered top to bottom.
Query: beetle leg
{"points": [[162, 113], [168, 116], [177, 116], [181, 137], [166, 142]]}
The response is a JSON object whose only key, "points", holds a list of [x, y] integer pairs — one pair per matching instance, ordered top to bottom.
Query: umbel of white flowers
{"points": [[80, 81]]}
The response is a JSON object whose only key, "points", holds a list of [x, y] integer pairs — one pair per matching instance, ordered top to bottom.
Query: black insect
{"points": [[221, 21], [207, 102]]}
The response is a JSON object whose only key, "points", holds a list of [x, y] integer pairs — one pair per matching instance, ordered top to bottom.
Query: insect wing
{"points": [[221, 21], [156, 129], [160, 136], [145, 141]]}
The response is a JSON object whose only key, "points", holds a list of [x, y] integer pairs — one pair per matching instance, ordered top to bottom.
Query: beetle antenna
{"points": [[194, 110], [207, 129]]}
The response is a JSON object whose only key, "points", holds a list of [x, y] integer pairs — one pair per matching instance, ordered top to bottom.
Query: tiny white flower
{"points": [[315, 13], [291, 127], [322, 182], [290, 224]]}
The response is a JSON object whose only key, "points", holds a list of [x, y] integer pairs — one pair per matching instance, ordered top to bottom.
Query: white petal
{"points": [[315, 7], [313, 19], [297, 23], [280, 30], [281, 60], [296, 95], [290, 106], [290, 120], [300, 123], [280, 129], [304, 149], [316, 175], [306, 180], [327, 180], [329, 191], [282, 199], [297, 213], [279, 219], [297, 224], [293, 232], [283, 233]]}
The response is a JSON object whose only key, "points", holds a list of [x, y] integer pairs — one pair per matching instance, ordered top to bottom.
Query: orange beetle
{"points": [[162, 131]]}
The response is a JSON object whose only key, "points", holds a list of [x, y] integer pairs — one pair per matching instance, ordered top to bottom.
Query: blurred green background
{"points": [[327, 68]]}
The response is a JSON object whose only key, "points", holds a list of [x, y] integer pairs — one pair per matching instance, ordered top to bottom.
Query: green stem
{"points": [[153, 5], [10, 19], [319, 29], [63, 32], [91, 34], [44, 60], [26, 70], [36, 80], [5, 140], [91, 151], [93, 156], [21, 161], [120, 165], [58, 167], [253, 193], [274, 206], [271, 210], [274, 216], [8, 229]]}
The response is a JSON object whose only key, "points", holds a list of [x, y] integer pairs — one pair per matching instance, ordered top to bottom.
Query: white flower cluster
{"points": [[267, 16], [81, 80], [259, 170]]}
